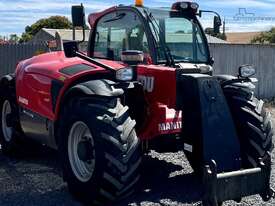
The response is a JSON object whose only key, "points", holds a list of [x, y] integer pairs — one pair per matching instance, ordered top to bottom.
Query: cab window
{"points": [[117, 32]]}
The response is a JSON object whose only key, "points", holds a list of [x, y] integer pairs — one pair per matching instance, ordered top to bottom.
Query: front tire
{"points": [[253, 124], [99, 150]]}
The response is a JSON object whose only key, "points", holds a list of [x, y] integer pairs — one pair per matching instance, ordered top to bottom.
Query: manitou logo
{"points": [[147, 82], [170, 126]]}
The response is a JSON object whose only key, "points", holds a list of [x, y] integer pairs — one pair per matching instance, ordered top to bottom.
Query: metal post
{"points": [[210, 185]]}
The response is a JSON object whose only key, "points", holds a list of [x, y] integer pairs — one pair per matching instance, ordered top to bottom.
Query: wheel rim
{"points": [[7, 131], [81, 151]]}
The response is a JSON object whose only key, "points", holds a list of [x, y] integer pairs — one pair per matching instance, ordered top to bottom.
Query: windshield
{"points": [[182, 35]]}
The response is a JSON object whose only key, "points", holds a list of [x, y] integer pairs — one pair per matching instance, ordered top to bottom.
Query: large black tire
{"points": [[253, 124], [9, 127], [116, 150]]}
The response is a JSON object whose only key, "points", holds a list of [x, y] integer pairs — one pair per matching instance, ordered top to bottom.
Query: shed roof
{"points": [[67, 34], [215, 40]]}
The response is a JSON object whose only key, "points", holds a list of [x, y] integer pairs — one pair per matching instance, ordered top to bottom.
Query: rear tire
{"points": [[253, 124], [9, 127], [113, 150]]}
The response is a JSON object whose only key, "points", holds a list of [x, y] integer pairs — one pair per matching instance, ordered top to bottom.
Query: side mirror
{"points": [[78, 16], [217, 24], [70, 49], [132, 57], [246, 71]]}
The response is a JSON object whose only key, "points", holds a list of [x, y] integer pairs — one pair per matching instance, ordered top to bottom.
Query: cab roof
{"points": [[175, 6]]}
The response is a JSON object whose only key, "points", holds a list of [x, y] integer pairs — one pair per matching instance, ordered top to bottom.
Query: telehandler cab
{"points": [[147, 79]]}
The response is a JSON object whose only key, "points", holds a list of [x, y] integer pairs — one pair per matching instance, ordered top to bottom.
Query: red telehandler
{"points": [[146, 81]]}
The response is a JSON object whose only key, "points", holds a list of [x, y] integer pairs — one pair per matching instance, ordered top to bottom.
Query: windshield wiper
{"points": [[118, 17], [197, 42], [167, 52]]}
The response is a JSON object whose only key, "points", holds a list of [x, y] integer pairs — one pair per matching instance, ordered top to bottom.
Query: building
{"points": [[45, 35], [66, 35], [215, 40]]}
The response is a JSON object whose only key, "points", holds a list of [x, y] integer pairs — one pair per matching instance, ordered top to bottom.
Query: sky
{"points": [[239, 15]]}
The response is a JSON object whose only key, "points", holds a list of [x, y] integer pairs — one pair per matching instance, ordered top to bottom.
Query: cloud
{"points": [[225, 3], [242, 3], [37, 5], [15, 15], [253, 26]]}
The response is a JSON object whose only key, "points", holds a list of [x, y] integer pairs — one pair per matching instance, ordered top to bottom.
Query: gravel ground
{"points": [[34, 178]]}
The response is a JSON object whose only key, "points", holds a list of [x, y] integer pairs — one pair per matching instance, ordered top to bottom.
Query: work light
{"points": [[139, 3], [184, 5], [194, 6], [246, 71], [125, 74]]}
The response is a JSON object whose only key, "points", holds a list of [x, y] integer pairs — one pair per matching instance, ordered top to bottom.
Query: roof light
{"points": [[139, 3], [184, 5], [194, 6]]}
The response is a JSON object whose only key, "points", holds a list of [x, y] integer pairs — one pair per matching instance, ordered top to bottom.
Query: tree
{"points": [[53, 22], [25, 37], [265, 37], [13, 38]]}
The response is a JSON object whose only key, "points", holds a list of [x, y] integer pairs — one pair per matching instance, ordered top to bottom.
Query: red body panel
{"points": [[34, 78], [160, 90]]}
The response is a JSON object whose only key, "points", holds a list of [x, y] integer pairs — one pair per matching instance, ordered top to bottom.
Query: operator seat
{"points": [[135, 44]]}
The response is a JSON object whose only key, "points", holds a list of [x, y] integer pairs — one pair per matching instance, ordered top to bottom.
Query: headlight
{"points": [[206, 69], [246, 71], [125, 74]]}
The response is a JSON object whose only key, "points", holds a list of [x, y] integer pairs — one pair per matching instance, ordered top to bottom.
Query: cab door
{"points": [[119, 31]]}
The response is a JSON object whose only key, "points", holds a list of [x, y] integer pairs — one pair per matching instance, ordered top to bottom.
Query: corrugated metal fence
{"points": [[11, 54], [228, 58]]}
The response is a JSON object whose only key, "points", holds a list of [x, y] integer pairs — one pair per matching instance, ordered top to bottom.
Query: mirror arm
{"points": [[208, 11], [83, 30], [73, 33], [83, 34], [93, 61]]}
